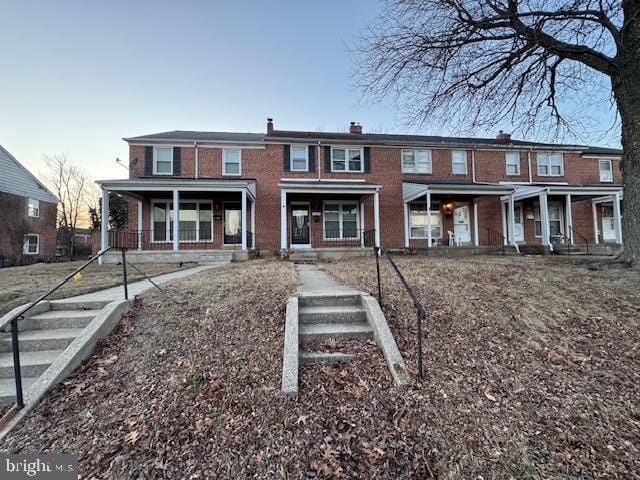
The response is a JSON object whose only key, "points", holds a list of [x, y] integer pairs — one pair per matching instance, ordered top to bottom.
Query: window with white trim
{"points": [[299, 158], [163, 160], [346, 160], [231, 161], [416, 161], [459, 162], [513, 163], [550, 164], [606, 170], [33, 208], [555, 219], [341, 220], [418, 220], [195, 221], [31, 244]]}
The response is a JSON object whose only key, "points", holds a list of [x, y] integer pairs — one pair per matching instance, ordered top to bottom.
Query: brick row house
{"points": [[325, 192], [28, 213]]}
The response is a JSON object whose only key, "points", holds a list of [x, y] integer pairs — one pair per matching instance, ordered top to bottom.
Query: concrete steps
{"points": [[332, 314], [54, 319], [315, 332], [54, 339], [325, 357], [32, 364]]}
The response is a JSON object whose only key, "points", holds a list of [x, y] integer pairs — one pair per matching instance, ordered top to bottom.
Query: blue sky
{"points": [[79, 76]]}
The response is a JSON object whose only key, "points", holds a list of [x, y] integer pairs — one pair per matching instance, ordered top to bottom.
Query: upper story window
{"points": [[299, 158], [346, 160], [163, 161], [231, 161], [416, 161], [459, 162], [513, 163], [550, 164], [606, 170], [33, 208], [31, 244]]}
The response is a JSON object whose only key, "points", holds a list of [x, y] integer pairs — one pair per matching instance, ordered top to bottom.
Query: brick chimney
{"points": [[269, 126], [355, 128], [503, 136]]}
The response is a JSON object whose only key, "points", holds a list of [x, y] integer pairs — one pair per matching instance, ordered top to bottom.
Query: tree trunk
{"points": [[626, 88]]}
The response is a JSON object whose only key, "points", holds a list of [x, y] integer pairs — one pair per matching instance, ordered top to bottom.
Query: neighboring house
{"points": [[313, 190], [28, 211], [83, 237]]}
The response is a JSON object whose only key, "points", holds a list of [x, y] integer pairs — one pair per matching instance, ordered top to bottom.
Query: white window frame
{"points": [[414, 151], [514, 155], [306, 158], [346, 159], [155, 160], [224, 161], [453, 162], [547, 163], [610, 163], [36, 207], [537, 217], [167, 221], [340, 223], [433, 237], [25, 247]]}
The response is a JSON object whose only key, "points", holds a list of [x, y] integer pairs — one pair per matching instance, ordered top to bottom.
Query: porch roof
{"points": [[129, 187], [360, 187], [412, 189], [591, 191]]}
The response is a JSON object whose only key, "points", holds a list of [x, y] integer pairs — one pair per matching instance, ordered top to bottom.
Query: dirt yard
{"points": [[20, 285], [532, 372]]}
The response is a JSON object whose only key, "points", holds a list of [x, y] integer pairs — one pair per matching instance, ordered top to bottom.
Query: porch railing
{"points": [[331, 237], [187, 239], [496, 239]]}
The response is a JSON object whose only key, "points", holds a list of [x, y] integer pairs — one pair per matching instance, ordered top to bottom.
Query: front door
{"points": [[518, 223], [461, 224], [608, 224], [232, 225], [300, 225]]}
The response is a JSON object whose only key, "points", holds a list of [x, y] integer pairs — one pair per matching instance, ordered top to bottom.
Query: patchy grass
{"points": [[20, 285], [532, 373]]}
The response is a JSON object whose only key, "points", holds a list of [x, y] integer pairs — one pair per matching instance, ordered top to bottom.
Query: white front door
{"points": [[518, 223], [461, 224], [608, 224]]}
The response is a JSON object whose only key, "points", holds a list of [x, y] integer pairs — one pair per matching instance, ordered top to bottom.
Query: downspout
{"points": [[318, 162], [529, 162], [473, 164], [197, 166]]}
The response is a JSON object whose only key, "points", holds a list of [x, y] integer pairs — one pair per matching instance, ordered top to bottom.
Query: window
{"points": [[299, 159], [346, 160], [163, 161], [416, 161], [231, 162], [459, 162], [513, 163], [550, 164], [606, 171], [33, 208], [555, 219], [340, 220], [195, 221], [418, 221], [31, 244]]}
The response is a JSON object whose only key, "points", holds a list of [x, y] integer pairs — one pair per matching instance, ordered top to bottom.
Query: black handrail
{"points": [[573, 230], [497, 239], [421, 313], [14, 325]]}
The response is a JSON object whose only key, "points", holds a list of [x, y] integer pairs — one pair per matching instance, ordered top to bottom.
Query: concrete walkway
{"points": [[314, 280], [136, 288]]}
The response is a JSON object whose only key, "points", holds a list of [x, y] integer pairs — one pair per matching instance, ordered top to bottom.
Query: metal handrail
{"points": [[573, 230], [495, 237], [14, 325]]}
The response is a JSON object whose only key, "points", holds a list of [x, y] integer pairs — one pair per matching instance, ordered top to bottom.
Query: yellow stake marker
{"points": [[77, 276]]}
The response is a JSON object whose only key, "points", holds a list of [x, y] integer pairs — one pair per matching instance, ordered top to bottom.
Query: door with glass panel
{"points": [[232, 223], [518, 223], [461, 224], [608, 224], [300, 225], [556, 225]]}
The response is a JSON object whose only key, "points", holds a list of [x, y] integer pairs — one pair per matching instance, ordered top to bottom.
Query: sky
{"points": [[78, 76]]}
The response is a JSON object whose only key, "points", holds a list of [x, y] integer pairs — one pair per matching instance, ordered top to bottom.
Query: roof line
{"points": [[35, 179]]}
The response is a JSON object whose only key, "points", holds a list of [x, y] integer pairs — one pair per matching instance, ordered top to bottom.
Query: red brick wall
{"points": [[44, 225]]}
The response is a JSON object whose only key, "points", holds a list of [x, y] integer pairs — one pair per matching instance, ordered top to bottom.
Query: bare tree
{"points": [[480, 63], [72, 186]]}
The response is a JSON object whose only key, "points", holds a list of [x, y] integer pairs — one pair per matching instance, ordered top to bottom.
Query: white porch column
{"points": [[503, 213], [568, 213], [376, 216], [617, 218], [429, 219], [176, 220], [283, 220], [544, 220], [243, 221], [512, 221], [104, 222], [139, 224], [253, 224], [406, 225], [362, 229], [596, 229], [476, 239]]}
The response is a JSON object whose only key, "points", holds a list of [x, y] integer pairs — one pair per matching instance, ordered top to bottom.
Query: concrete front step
{"points": [[334, 300], [71, 305], [333, 314], [60, 319], [315, 332], [54, 339], [325, 357], [32, 364], [8, 388]]}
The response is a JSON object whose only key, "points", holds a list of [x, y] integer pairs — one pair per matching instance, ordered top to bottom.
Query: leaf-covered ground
{"points": [[532, 372]]}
